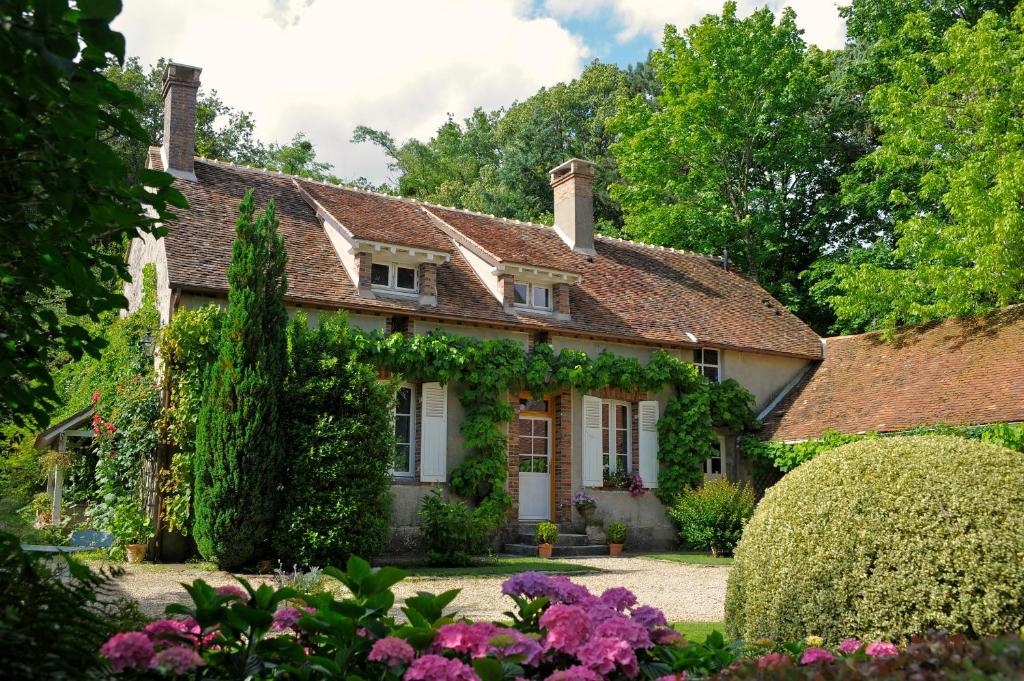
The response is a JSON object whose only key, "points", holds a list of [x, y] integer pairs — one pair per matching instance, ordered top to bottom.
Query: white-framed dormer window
{"points": [[394, 277], [532, 296], [707, 361], [616, 436], [714, 465], [402, 466]]}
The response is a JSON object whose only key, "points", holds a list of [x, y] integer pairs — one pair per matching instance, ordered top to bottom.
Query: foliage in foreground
{"points": [[65, 198], [239, 463], [711, 517], [885, 538]]}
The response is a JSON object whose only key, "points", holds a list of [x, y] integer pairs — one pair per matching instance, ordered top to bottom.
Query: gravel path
{"points": [[684, 592]]}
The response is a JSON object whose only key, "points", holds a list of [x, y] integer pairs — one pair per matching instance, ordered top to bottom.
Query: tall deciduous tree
{"points": [[952, 129], [739, 152], [63, 192], [239, 465]]}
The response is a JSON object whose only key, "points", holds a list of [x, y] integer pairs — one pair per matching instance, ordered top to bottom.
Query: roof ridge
{"points": [[656, 247]]}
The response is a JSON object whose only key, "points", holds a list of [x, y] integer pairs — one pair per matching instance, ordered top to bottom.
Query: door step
{"points": [[560, 550]]}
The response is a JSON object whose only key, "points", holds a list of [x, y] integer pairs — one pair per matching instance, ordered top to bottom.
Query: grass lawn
{"points": [[691, 558], [501, 566], [698, 631]]}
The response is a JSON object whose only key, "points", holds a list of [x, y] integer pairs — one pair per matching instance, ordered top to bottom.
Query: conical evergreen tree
{"points": [[239, 464]]}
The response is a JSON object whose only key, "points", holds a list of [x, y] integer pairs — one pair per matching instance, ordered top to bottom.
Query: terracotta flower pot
{"points": [[615, 549], [544, 550], [136, 552]]}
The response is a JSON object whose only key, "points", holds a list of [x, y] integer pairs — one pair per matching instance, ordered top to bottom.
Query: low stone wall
{"points": [[405, 507], [649, 527]]}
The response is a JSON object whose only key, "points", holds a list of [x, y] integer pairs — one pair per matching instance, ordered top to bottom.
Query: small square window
{"points": [[380, 275], [405, 278], [522, 294], [541, 296], [710, 356]]}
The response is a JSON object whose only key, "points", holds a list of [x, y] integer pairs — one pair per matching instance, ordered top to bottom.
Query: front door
{"points": [[534, 466]]}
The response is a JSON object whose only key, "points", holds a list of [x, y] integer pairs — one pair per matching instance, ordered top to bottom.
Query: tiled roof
{"points": [[629, 292], [966, 371]]}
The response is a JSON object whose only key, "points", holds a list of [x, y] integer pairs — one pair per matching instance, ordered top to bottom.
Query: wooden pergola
{"points": [[60, 437]]}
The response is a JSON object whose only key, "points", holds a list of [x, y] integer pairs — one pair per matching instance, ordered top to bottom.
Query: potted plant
{"points": [[586, 506], [132, 527], [616, 533], [545, 535]]}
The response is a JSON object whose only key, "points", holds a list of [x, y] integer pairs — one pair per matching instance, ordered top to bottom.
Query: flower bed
{"points": [[556, 630]]}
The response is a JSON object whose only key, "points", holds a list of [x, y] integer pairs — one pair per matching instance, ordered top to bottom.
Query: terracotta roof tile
{"points": [[630, 292], [966, 371]]}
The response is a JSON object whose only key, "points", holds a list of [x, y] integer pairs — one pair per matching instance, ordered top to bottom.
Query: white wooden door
{"points": [[534, 468]]}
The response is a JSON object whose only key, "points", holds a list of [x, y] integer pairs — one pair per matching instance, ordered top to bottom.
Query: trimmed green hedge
{"points": [[882, 539]]}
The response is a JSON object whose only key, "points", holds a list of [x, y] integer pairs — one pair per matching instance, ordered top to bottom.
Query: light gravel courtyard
{"points": [[684, 592]]}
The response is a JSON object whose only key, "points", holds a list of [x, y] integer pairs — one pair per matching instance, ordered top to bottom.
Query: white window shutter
{"points": [[648, 410], [434, 432], [593, 475]]}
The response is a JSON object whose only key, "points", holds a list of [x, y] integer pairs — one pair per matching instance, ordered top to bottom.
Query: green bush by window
{"points": [[340, 442], [711, 517], [452, 532], [546, 533], [883, 539]]}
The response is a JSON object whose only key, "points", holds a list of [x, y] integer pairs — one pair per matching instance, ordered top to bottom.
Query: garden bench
{"points": [[81, 540]]}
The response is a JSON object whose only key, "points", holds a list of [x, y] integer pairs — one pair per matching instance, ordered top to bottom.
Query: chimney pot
{"points": [[180, 85], [573, 185]]}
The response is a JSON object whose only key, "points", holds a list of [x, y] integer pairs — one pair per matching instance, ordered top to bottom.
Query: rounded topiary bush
{"points": [[882, 539]]}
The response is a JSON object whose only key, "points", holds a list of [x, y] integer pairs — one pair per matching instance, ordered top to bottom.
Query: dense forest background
{"points": [[869, 187]]}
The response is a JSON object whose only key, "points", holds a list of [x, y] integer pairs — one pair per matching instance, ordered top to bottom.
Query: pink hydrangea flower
{"points": [[233, 591], [570, 592], [618, 598], [649, 617], [286, 618], [568, 627], [625, 629], [171, 631], [463, 637], [509, 642], [848, 646], [882, 649], [128, 650], [392, 651], [603, 655], [815, 655], [177, 660], [773, 660], [439, 668], [575, 673]]}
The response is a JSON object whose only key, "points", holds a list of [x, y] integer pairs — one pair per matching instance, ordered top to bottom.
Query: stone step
{"points": [[564, 539], [559, 551]]}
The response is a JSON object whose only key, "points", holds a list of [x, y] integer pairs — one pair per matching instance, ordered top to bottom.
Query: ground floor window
{"points": [[405, 432], [615, 437], [714, 465]]}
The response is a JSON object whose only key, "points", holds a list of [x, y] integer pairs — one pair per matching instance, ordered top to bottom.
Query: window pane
{"points": [[379, 274], [405, 278], [522, 294], [541, 295], [710, 356], [697, 357], [711, 373], [403, 401], [621, 416], [540, 428], [402, 429], [621, 439], [401, 462], [604, 462], [622, 463], [540, 464], [716, 465]]}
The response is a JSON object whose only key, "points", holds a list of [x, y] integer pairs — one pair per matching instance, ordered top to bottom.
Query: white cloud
{"points": [[819, 18], [325, 66]]}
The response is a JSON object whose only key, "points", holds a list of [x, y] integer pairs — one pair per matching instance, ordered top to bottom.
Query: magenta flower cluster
{"points": [[167, 645], [817, 654]]}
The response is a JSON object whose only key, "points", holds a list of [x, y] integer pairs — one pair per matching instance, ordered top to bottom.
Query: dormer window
{"points": [[389, 276], [533, 296]]}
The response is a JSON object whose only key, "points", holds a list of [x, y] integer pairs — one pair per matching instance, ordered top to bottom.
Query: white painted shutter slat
{"points": [[648, 410], [434, 433], [593, 475]]}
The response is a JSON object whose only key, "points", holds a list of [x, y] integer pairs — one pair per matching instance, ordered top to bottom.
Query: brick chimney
{"points": [[178, 151], [573, 184]]}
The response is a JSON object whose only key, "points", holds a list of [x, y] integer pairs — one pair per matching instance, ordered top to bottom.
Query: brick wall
{"points": [[180, 84], [365, 261], [428, 283], [508, 288], [561, 300], [513, 458], [562, 466]]}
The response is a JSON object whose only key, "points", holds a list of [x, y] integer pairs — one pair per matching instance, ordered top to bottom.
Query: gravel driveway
{"points": [[684, 592]]}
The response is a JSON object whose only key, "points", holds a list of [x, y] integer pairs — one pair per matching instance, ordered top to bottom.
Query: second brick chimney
{"points": [[180, 84], [573, 184]]}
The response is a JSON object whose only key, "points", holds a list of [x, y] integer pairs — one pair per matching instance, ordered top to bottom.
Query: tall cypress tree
{"points": [[239, 464]]}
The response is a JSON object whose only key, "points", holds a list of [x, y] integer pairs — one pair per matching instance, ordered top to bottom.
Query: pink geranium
{"points": [[568, 627], [849, 646], [882, 649], [128, 650], [392, 651], [603, 655], [815, 655], [177, 660], [439, 668]]}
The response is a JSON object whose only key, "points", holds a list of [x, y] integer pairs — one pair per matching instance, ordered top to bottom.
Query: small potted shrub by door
{"points": [[132, 528], [616, 533], [545, 535]]}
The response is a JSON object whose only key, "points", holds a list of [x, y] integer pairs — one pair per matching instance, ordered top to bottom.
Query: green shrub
{"points": [[341, 435], [711, 518], [452, 532], [546, 533], [616, 533], [883, 539]]}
